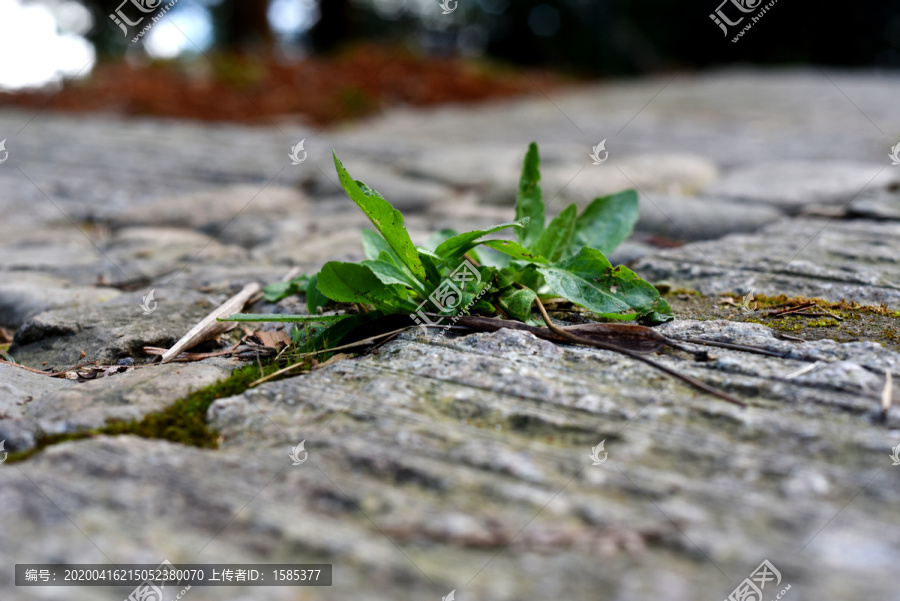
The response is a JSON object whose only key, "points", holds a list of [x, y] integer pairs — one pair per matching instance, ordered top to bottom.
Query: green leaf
{"points": [[529, 201], [386, 219], [606, 222], [436, 238], [555, 241], [374, 244], [461, 244], [376, 247], [515, 250], [430, 261], [388, 272], [588, 279], [355, 283], [276, 291], [640, 295], [314, 298], [517, 302], [283, 318], [317, 338]]}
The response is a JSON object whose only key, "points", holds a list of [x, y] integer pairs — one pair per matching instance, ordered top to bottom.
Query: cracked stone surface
{"points": [[855, 260], [125, 397], [464, 462]]}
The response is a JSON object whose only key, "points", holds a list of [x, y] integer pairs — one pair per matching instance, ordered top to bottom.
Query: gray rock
{"points": [[461, 166], [679, 174], [578, 180], [793, 184], [883, 204], [212, 208], [238, 214], [700, 218], [61, 248], [151, 251], [630, 251], [831, 259], [23, 295], [104, 332], [18, 387], [121, 397], [507, 420], [18, 434], [440, 459], [425, 461], [143, 501]]}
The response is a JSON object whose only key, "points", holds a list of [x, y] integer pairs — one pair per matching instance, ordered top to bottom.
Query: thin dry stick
{"points": [[789, 310], [837, 317], [209, 326], [732, 346], [610, 347], [31, 369], [55, 374]]}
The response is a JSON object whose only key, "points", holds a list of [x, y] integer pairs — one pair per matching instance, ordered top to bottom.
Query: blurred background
{"points": [[246, 60]]}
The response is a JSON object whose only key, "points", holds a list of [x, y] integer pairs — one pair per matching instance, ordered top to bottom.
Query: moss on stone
{"points": [[859, 322], [184, 421]]}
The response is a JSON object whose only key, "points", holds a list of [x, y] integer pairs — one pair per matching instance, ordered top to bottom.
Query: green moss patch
{"points": [[857, 322], [183, 422]]}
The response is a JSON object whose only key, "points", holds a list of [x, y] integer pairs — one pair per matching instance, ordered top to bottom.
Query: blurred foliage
{"points": [[582, 36]]}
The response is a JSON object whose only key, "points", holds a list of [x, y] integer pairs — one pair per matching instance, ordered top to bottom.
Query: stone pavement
{"points": [[463, 463]]}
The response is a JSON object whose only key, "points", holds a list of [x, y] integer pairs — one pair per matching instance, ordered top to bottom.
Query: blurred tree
{"points": [[244, 25], [333, 27], [591, 36]]}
